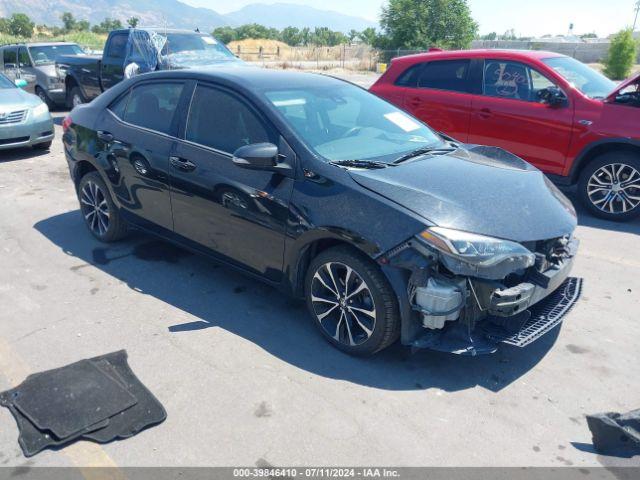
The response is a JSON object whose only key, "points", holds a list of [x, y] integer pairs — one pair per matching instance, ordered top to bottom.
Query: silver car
{"points": [[36, 64], [24, 118]]}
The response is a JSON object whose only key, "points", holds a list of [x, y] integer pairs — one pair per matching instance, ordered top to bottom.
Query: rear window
{"points": [[117, 45], [449, 75]]}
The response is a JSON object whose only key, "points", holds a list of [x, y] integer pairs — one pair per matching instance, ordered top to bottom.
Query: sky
{"points": [[528, 18]]}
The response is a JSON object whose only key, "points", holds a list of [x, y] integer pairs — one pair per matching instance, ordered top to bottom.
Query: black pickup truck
{"points": [[87, 76]]}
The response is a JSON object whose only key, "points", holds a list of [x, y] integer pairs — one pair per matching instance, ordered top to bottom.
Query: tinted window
{"points": [[117, 45], [10, 56], [23, 56], [446, 75], [410, 77], [513, 80], [6, 83], [153, 105], [119, 106], [221, 121]]}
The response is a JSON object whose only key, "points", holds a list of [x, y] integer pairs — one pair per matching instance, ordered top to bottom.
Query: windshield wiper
{"points": [[424, 151], [359, 164]]}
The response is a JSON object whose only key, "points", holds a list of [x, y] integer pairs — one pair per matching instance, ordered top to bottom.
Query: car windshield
{"points": [[193, 42], [48, 54], [587, 80], [5, 83], [344, 122]]}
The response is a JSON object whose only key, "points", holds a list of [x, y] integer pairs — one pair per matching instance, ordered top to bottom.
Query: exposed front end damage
{"points": [[468, 293]]}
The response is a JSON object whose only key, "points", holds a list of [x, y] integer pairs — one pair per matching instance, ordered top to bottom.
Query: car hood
{"points": [[612, 96], [15, 98], [483, 190]]}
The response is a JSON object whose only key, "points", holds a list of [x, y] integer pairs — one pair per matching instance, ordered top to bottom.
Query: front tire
{"points": [[45, 98], [76, 98], [609, 186], [101, 216], [351, 302]]}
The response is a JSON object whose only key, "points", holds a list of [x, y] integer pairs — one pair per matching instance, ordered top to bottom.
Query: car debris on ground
{"points": [[616, 434]]}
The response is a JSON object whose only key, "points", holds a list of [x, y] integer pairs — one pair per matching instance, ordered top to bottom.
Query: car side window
{"points": [[117, 45], [10, 57], [23, 57], [451, 75], [410, 76], [513, 80], [153, 106], [118, 108], [220, 120]]}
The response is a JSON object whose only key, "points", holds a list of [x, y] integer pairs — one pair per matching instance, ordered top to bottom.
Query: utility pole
{"points": [[635, 21]]}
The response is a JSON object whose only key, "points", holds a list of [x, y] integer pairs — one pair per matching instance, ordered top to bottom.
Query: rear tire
{"points": [[609, 186], [101, 216], [351, 302]]}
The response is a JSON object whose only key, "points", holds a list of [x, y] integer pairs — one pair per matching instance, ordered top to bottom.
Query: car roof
{"points": [[159, 30], [478, 53], [252, 78]]}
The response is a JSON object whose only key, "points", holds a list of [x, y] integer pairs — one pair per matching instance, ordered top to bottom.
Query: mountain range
{"points": [[173, 13]]}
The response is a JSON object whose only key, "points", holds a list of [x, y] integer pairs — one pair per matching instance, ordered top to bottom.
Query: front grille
{"points": [[12, 117], [9, 141], [545, 316]]}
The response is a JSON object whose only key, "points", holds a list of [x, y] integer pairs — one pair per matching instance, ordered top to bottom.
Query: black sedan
{"points": [[387, 229]]}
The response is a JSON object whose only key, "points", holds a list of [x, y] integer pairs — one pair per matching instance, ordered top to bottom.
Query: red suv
{"points": [[557, 113]]}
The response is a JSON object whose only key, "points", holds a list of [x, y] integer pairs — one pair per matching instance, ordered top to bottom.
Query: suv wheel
{"points": [[610, 186], [98, 210], [352, 302]]}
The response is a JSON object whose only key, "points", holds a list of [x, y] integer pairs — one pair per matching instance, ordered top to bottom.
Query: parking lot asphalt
{"points": [[246, 379]]}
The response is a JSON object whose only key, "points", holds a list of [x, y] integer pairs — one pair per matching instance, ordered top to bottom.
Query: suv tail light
{"points": [[66, 123]]}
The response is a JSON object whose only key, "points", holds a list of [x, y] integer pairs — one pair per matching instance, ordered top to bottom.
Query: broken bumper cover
{"points": [[511, 301]]}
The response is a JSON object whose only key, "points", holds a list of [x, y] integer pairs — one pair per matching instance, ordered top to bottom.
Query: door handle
{"points": [[415, 102], [484, 113], [106, 137], [182, 164]]}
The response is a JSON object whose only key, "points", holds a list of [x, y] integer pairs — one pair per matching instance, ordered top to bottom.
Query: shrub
{"points": [[622, 55]]}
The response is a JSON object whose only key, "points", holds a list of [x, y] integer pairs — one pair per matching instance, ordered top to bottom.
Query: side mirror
{"points": [[21, 83], [552, 96], [259, 156]]}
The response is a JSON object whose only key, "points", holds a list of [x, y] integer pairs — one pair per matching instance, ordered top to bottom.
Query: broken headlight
{"points": [[475, 255]]}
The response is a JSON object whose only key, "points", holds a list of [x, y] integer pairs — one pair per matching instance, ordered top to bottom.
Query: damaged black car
{"points": [[386, 228]]}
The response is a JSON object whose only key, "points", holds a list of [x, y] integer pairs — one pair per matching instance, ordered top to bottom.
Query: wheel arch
{"points": [[594, 150], [312, 244]]}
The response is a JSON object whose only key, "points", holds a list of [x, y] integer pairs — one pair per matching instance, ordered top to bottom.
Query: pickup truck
{"points": [[87, 76]]}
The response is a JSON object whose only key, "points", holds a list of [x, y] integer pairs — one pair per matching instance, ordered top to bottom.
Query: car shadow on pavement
{"points": [[23, 153], [220, 297]]}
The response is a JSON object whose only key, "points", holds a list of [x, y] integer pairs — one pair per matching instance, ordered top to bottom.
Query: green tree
{"points": [[68, 21], [133, 22], [420, 24], [4, 25], [21, 25], [107, 25], [82, 26], [225, 34], [353, 35], [292, 36], [369, 36], [489, 36], [622, 55]]}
